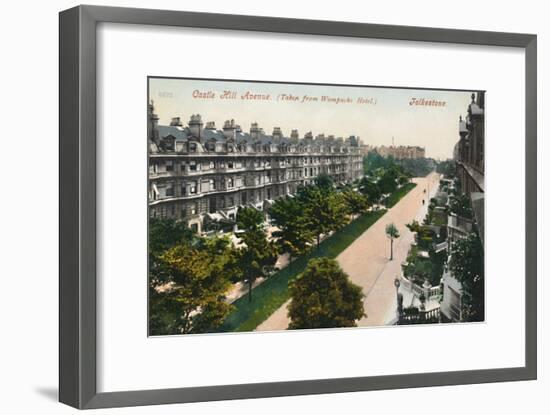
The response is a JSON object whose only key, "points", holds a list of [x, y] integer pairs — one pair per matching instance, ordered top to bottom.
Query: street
{"points": [[367, 262]]}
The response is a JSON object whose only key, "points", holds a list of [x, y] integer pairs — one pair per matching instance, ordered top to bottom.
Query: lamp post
{"points": [[397, 284], [399, 299]]}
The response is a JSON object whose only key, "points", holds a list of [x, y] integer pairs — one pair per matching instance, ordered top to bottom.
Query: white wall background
{"points": [[28, 212]]}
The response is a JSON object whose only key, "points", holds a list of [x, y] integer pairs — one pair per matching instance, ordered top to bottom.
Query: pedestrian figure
{"points": [[422, 201]]}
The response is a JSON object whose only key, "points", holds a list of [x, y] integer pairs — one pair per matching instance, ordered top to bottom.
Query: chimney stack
{"points": [[195, 125], [229, 129], [255, 131], [277, 134]]}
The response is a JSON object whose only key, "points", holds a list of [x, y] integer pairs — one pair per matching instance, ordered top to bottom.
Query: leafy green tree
{"points": [[374, 161], [419, 167], [446, 167], [403, 179], [388, 181], [324, 182], [370, 189], [355, 203], [460, 204], [325, 211], [414, 226], [165, 233], [393, 233], [294, 235], [257, 256], [466, 265], [324, 297], [194, 301]]}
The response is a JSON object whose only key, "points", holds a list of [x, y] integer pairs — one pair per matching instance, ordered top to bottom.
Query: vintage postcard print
{"points": [[285, 206]]}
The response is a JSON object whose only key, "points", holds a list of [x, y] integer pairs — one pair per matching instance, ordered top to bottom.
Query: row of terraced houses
{"points": [[201, 174]]}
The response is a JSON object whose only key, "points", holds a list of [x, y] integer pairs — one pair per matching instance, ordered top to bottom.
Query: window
{"points": [[192, 147], [229, 164], [169, 165], [212, 165], [193, 166], [230, 183], [212, 184], [193, 188], [183, 189], [169, 190], [231, 202], [193, 209]]}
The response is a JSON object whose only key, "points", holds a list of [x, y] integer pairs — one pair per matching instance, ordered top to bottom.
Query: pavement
{"points": [[367, 261]]}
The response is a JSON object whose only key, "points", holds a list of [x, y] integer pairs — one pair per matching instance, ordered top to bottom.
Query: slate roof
{"points": [[179, 133], [208, 134]]}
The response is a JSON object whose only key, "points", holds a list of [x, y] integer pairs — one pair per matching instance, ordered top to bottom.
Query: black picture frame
{"points": [[77, 205]]}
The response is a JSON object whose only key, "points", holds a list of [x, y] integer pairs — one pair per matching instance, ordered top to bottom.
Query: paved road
{"points": [[367, 262]]}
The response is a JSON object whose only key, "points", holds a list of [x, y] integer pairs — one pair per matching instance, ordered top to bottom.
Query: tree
{"points": [[374, 161], [403, 179], [388, 181], [324, 182], [370, 189], [355, 203], [460, 204], [325, 211], [414, 226], [165, 233], [393, 233], [293, 236], [257, 256], [466, 265], [324, 297], [195, 300]]}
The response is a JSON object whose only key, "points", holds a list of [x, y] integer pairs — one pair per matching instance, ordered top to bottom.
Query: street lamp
{"points": [[397, 283], [399, 299]]}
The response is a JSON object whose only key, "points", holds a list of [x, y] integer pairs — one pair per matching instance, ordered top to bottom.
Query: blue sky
{"points": [[388, 113]]}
